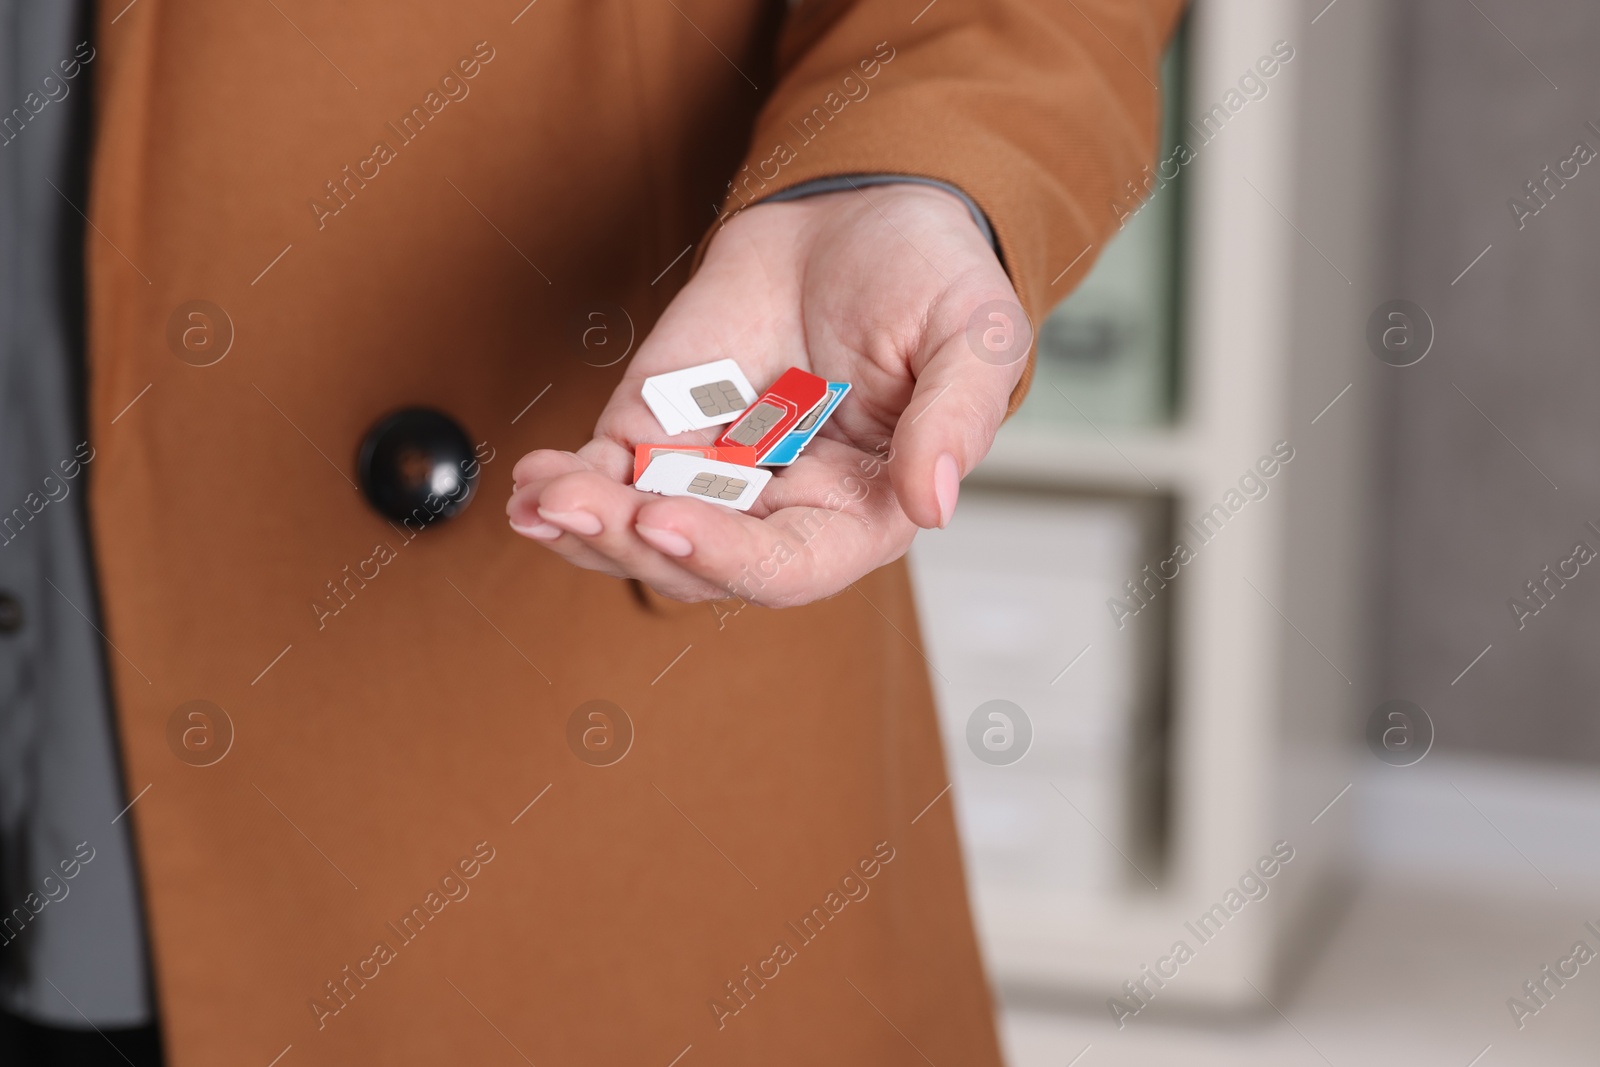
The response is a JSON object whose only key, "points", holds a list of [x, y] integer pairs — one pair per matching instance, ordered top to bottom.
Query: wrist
{"points": [[854, 183]]}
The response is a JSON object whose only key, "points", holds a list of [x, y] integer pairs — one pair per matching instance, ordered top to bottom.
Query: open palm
{"points": [[880, 288]]}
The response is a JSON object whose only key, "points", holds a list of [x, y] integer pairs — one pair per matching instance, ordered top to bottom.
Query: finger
{"points": [[960, 400], [604, 454], [543, 464], [538, 468], [533, 473], [598, 515], [525, 521], [797, 553]]}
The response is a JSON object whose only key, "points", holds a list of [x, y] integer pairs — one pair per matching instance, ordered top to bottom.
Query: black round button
{"points": [[417, 464], [10, 613]]}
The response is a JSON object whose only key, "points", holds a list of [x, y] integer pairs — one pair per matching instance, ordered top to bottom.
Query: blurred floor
{"points": [[1477, 874]]}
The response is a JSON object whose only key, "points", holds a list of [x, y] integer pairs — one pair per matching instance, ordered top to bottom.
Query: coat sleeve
{"points": [[1041, 110]]}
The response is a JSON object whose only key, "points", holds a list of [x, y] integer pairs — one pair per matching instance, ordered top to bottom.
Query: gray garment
{"points": [[71, 942]]}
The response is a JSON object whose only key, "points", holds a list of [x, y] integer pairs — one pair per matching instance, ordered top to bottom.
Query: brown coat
{"points": [[784, 764]]}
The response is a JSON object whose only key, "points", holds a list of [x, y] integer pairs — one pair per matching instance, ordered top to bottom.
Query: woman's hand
{"points": [[892, 289]]}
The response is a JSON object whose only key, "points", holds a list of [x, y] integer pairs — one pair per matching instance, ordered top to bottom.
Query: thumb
{"points": [[961, 397]]}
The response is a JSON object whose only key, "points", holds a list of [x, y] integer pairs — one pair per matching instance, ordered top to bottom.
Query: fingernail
{"points": [[946, 486], [579, 522], [539, 531], [669, 541]]}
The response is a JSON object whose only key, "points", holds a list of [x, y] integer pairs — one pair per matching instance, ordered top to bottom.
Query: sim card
{"points": [[698, 398], [776, 412], [789, 447], [735, 454], [684, 474]]}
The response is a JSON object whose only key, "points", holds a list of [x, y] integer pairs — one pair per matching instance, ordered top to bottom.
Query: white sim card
{"points": [[697, 398], [683, 474]]}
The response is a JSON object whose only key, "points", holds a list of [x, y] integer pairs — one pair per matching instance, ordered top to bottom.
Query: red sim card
{"points": [[776, 411], [738, 455]]}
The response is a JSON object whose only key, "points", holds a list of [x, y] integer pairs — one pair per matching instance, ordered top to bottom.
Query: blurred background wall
{"points": [[1467, 519]]}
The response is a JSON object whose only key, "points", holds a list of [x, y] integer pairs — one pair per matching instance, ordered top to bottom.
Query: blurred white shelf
{"points": [[1110, 459], [1013, 608], [1263, 629]]}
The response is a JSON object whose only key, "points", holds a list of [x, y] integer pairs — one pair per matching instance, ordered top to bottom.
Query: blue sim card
{"points": [[788, 449]]}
